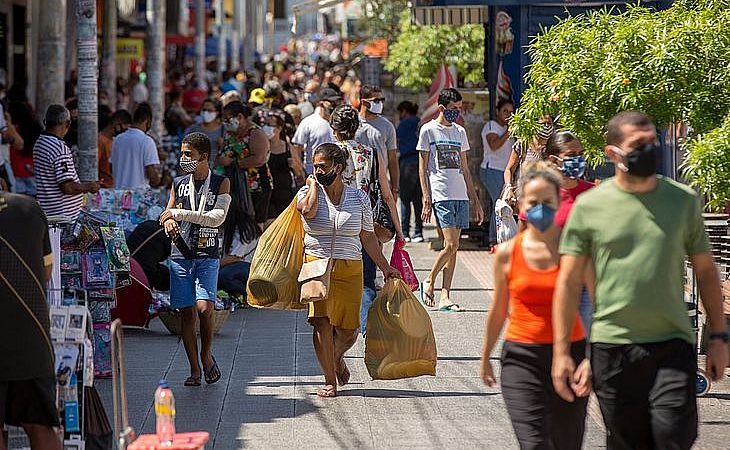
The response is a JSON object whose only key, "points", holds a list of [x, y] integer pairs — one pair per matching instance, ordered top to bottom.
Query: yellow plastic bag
{"points": [[275, 267], [399, 342]]}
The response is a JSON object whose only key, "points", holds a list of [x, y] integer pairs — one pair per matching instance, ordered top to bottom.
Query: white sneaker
{"points": [[407, 239], [417, 239]]}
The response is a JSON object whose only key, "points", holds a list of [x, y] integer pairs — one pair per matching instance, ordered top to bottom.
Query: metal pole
{"points": [[200, 18], [220, 19], [270, 23], [236, 35], [71, 37], [109, 52], [51, 54], [491, 57], [156, 67], [87, 90]]}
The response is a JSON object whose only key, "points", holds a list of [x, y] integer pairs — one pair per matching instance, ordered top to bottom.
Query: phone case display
{"points": [[126, 208], [102, 350]]}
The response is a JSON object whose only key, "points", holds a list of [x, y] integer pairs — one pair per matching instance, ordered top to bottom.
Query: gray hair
{"points": [[56, 115]]}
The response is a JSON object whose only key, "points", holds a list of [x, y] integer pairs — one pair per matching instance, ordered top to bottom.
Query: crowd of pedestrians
{"points": [[590, 286]]}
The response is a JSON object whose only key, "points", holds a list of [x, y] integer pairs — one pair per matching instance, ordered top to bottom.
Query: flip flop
{"points": [[426, 298], [450, 308], [213, 374], [192, 381], [327, 392]]}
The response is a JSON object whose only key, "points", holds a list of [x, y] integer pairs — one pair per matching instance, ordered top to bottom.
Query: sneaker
{"points": [[407, 239], [417, 239]]}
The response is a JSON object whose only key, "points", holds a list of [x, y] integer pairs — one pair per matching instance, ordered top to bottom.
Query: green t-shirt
{"points": [[638, 244]]}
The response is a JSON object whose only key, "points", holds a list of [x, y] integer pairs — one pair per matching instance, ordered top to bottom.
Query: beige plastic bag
{"points": [[275, 267], [399, 342]]}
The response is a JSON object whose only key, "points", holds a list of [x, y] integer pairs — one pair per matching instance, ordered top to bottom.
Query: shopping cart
{"points": [[691, 297], [125, 436]]}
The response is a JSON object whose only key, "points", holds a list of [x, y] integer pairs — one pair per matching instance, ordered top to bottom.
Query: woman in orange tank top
{"points": [[525, 274]]}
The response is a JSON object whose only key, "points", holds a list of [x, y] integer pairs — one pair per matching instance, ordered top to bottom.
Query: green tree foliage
{"points": [[381, 18], [419, 51], [671, 64]]}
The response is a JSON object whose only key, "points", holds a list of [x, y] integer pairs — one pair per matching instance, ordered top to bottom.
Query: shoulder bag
{"points": [[382, 218], [315, 275]]}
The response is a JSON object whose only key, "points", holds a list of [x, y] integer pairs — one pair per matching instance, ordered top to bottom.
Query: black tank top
{"points": [[195, 241]]}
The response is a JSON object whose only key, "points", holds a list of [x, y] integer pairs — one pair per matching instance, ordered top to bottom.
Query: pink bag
{"points": [[402, 261]]}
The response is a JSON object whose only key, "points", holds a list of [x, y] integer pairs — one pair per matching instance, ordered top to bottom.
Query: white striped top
{"points": [[54, 165], [353, 215]]}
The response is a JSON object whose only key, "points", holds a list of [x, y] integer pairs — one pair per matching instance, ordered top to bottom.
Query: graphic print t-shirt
{"points": [[446, 145]]}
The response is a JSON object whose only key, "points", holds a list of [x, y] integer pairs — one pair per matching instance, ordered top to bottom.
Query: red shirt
{"points": [[567, 200]]}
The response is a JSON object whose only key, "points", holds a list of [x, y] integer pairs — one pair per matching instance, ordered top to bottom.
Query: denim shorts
{"points": [[452, 214], [192, 280]]}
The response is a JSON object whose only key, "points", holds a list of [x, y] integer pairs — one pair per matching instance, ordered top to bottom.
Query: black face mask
{"points": [[643, 161], [325, 179]]}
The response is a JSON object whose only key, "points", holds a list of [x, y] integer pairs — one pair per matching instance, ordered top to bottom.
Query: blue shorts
{"points": [[452, 214], [192, 280]]}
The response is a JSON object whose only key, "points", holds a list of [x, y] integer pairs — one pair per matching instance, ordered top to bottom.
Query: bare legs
{"points": [[445, 261], [204, 311], [330, 345]]}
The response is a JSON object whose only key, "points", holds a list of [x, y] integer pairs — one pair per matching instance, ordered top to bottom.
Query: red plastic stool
{"points": [[182, 441]]}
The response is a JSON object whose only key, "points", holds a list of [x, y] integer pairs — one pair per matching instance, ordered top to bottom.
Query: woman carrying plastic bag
{"points": [[277, 262], [400, 342]]}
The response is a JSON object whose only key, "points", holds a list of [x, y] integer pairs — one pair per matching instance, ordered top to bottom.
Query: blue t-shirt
{"points": [[407, 133]]}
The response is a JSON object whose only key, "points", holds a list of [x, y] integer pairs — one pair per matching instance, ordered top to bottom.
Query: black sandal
{"points": [[213, 374], [192, 381]]}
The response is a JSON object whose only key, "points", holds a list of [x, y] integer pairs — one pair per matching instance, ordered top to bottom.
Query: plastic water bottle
{"points": [[165, 411]]}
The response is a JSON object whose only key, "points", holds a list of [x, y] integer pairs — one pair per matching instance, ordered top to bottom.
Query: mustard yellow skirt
{"points": [[342, 306]]}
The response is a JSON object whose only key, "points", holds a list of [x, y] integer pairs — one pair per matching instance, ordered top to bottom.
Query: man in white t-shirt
{"points": [[372, 102], [315, 129], [497, 148], [134, 154], [447, 189]]}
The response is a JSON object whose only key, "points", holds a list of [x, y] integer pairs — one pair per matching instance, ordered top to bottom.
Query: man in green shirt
{"points": [[634, 232]]}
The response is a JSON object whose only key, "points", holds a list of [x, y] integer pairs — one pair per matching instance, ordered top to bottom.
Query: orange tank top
{"points": [[531, 301]]}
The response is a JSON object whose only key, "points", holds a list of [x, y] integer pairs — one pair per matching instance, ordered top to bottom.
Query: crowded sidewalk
{"points": [[270, 374]]}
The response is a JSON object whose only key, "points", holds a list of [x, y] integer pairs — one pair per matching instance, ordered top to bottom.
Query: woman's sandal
{"points": [[426, 298], [450, 308], [213, 374], [343, 377], [192, 381], [327, 391]]}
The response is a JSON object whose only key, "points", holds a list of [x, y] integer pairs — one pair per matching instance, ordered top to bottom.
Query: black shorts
{"points": [[260, 202], [29, 402]]}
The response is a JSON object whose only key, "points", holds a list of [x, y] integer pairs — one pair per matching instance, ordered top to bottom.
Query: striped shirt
{"points": [[54, 166], [353, 215]]}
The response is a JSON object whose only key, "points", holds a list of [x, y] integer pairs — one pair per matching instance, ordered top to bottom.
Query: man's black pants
{"points": [[647, 394]]}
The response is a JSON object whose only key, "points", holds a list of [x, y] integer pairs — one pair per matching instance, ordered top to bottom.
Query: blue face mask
{"points": [[452, 115], [574, 167], [541, 216]]}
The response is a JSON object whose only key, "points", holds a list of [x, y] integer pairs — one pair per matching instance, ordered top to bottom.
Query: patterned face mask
{"points": [[452, 115], [574, 166]]}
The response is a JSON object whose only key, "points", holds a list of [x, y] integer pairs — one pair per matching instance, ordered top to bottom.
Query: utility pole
{"points": [[200, 19], [220, 22], [270, 23], [236, 36], [109, 52], [51, 54], [156, 66], [87, 90]]}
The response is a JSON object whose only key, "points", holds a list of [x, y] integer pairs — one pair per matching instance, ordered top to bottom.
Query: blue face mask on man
{"points": [[452, 115], [574, 166], [541, 216]]}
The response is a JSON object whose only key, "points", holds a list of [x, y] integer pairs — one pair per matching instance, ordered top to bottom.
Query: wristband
{"points": [[721, 336]]}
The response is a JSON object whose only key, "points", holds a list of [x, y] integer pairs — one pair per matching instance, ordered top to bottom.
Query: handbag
{"points": [[382, 218], [315, 275]]}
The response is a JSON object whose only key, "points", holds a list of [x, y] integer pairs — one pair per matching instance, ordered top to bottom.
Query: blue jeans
{"points": [[493, 180], [232, 278], [192, 280], [368, 298]]}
